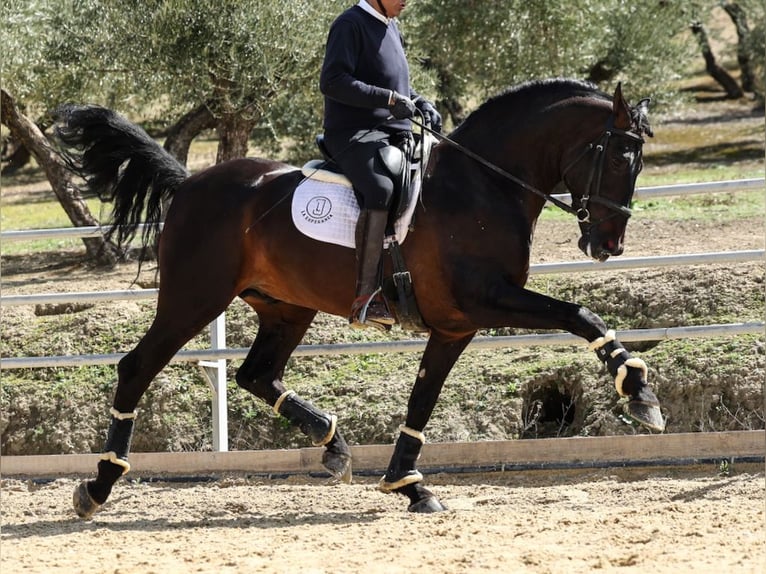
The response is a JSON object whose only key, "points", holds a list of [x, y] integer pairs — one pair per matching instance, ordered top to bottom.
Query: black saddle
{"points": [[396, 161]]}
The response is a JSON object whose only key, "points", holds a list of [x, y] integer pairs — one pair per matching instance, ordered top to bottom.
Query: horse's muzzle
{"points": [[598, 249]]}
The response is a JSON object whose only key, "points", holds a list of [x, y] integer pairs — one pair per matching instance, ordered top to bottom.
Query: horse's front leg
{"points": [[518, 307], [402, 475]]}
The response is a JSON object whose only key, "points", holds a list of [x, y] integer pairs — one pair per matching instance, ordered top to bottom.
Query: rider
{"points": [[368, 103]]}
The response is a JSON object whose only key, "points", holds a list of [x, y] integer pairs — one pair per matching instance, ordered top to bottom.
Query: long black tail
{"points": [[122, 164]]}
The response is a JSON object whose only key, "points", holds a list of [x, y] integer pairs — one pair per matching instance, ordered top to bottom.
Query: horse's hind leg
{"points": [[173, 326], [281, 328]]}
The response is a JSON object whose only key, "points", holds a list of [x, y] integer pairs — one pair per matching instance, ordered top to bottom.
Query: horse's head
{"points": [[602, 177]]}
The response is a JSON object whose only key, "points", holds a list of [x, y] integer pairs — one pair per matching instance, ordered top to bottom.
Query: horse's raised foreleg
{"points": [[518, 307], [281, 328], [630, 380], [402, 475]]}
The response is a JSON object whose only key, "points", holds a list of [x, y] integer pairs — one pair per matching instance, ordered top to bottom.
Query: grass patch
{"points": [[694, 174], [715, 206], [720, 207], [43, 211], [43, 214]]}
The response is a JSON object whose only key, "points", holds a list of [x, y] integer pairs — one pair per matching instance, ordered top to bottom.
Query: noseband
{"points": [[592, 192]]}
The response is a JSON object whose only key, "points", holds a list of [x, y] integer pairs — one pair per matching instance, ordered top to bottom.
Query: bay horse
{"points": [[228, 233]]}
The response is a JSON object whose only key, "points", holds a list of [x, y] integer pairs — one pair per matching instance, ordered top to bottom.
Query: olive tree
{"points": [[478, 48], [235, 58], [29, 81]]}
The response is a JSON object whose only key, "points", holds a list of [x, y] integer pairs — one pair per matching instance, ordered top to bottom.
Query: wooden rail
{"points": [[575, 452]]}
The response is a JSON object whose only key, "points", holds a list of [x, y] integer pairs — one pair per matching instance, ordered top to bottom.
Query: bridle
{"points": [[593, 187]]}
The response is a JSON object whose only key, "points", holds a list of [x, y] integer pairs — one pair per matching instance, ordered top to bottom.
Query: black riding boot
{"points": [[369, 307]]}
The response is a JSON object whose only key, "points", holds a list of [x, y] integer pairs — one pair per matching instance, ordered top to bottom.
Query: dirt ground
{"points": [[651, 520]]}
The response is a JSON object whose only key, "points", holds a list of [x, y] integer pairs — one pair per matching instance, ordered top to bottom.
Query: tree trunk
{"points": [[738, 16], [601, 72], [729, 84], [449, 99], [189, 126], [26, 132], [233, 133], [180, 136], [15, 153], [15, 156]]}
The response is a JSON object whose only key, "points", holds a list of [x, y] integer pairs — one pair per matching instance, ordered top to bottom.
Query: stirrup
{"points": [[360, 308]]}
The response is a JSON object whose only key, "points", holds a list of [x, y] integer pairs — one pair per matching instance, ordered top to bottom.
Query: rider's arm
{"points": [[336, 80]]}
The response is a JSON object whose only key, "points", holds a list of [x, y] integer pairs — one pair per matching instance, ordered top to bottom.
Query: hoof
{"points": [[646, 414], [338, 465], [422, 500], [83, 502], [427, 506]]}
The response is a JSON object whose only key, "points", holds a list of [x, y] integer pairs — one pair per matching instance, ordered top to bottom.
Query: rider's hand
{"points": [[402, 108], [430, 114]]}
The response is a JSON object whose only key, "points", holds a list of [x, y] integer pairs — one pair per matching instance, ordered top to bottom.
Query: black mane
{"points": [[544, 92], [536, 94], [530, 95]]}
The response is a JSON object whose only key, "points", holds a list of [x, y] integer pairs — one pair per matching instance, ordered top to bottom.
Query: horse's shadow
{"points": [[702, 492], [46, 528]]}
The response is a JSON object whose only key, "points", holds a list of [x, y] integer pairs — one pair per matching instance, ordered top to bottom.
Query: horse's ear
{"points": [[620, 109]]}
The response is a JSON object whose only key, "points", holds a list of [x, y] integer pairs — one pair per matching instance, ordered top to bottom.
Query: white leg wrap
{"points": [[601, 341], [622, 372], [281, 399], [122, 416], [413, 433], [330, 434], [111, 456], [387, 487]]}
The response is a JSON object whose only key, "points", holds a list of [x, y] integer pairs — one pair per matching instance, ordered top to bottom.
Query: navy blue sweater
{"points": [[364, 61]]}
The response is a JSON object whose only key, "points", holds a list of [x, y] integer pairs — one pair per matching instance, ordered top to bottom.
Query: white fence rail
{"points": [[641, 193], [536, 269], [216, 353], [213, 360]]}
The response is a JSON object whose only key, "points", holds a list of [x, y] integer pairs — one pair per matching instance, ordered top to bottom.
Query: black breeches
{"points": [[357, 154]]}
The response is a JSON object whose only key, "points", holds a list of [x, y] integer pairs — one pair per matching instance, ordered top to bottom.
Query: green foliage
{"points": [[518, 40], [234, 55], [252, 59], [259, 60]]}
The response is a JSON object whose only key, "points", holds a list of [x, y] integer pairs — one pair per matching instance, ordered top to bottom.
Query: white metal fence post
{"points": [[215, 375]]}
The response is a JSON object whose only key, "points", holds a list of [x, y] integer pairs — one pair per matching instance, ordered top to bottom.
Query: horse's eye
{"points": [[623, 155]]}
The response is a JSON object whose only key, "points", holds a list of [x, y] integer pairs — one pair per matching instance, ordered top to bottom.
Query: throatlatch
{"points": [[616, 359], [118, 439], [401, 470]]}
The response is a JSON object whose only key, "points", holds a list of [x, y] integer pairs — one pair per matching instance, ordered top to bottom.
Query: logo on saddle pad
{"points": [[318, 210], [327, 210]]}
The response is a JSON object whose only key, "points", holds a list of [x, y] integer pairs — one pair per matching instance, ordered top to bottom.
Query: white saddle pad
{"points": [[328, 212]]}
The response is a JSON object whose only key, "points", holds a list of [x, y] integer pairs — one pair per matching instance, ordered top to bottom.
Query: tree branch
{"points": [[26, 132]]}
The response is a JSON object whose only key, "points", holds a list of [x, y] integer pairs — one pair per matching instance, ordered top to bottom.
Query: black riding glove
{"points": [[403, 108], [430, 114]]}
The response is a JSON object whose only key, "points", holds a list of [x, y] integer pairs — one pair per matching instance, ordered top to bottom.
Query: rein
{"points": [[546, 196], [582, 213]]}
